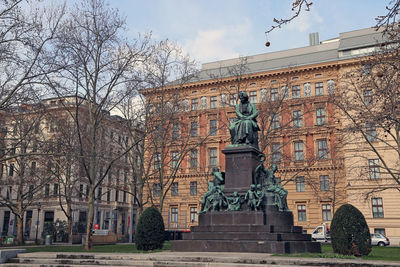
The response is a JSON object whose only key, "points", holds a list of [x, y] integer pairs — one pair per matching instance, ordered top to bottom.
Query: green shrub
{"points": [[150, 230], [350, 232]]}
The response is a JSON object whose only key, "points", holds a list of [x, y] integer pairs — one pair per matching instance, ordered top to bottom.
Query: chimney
{"points": [[314, 38]]}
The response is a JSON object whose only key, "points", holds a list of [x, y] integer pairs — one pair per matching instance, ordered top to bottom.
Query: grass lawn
{"points": [[120, 248], [377, 253]]}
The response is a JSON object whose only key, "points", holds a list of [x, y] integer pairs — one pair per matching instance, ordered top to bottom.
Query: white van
{"points": [[321, 233]]}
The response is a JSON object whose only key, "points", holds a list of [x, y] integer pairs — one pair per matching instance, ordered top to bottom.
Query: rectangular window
{"points": [[319, 88], [296, 91], [285, 92], [274, 94], [263, 95], [253, 97], [368, 98], [232, 99], [222, 100], [203, 102], [213, 102], [195, 104], [320, 116], [297, 118], [275, 121], [213, 127], [194, 128], [175, 131], [370, 131], [322, 149], [298, 151], [276, 152], [213, 157], [193, 158], [174, 159], [157, 161], [33, 167], [11, 170], [374, 171], [324, 182], [300, 185], [193, 188], [174, 189], [47, 190], [55, 190], [156, 190], [9, 192], [99, 193], [108, 195], [116, 195], [124, 197], [377, 207], [326, 212], [301, 213], [193, 214], [174, 215], [380, 231]]}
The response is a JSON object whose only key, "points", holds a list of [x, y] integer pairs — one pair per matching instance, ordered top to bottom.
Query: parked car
{"points": [[379, 240]]}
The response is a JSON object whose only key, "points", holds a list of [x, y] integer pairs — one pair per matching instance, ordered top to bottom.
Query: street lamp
{"points": [[37, 221]]}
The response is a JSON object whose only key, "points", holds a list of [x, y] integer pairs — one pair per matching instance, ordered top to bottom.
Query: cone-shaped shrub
{"points": [[150, 230], [350, 232]]}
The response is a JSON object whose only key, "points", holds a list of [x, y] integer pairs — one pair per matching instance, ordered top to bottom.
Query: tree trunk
{"points": [[20, 221], [69, 221], [88, 242]]}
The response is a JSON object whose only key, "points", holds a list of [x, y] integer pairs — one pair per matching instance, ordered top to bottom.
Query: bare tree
{"points": [[25, 38], [97, 65], [168, 141]]}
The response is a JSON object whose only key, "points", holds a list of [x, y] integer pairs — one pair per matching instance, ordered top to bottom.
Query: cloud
{"points": [[305, 21], [219, 43]]}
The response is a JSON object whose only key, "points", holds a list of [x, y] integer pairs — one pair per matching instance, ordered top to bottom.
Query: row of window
{"points": [[254, 97], [324, 183], [175, 189], [377, 210], [174, 215]]}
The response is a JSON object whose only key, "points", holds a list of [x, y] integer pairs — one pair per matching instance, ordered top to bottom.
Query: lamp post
{"points": [[37, 222]]}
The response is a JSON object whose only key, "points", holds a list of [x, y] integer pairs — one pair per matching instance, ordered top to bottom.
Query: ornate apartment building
{"points": [[294, 91], [41, 171]]}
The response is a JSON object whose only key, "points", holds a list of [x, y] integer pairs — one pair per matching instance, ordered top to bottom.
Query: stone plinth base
{"points": [[268, 231]]}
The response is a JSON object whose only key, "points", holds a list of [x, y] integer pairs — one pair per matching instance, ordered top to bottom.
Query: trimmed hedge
{"points": [[150, 230], [350, 233]]}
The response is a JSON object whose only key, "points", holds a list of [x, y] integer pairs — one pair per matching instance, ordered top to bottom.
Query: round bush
{"points": [[150, 230], [350, 232]]}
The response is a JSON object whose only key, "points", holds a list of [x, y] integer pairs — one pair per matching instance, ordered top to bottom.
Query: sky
{"points": [[212, 30]]}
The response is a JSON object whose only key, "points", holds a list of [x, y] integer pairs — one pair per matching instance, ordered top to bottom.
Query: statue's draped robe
{"points": [[244, 129]]}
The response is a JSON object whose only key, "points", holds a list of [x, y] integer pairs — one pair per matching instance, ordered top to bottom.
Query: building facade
{"points": [[301, 130], [43, 180]]}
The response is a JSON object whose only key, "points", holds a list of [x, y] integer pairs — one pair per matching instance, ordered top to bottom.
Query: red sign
{"points": [[96, 226]]}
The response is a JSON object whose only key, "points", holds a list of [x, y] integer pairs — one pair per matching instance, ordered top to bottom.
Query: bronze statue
{"points": [[244, 129], [218, 177], [260, 195], [251, 198], [234, 202]]}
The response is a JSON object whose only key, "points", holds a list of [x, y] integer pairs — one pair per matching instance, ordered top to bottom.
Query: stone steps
{"points": [[258, 236], [47, 259]]}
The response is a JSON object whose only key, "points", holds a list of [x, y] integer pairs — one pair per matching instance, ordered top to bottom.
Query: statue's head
{"points": [[243, 96], [215, 169], [252, 187], [258, 187], [235, 194]]}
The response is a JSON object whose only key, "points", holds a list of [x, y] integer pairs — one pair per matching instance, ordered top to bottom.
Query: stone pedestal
{"points": [[240, 163]]}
